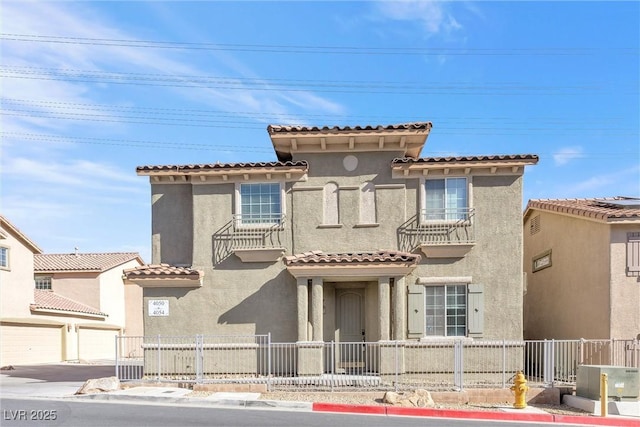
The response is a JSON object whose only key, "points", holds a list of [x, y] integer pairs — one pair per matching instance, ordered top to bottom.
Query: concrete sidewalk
{"points": [[48, 382]]}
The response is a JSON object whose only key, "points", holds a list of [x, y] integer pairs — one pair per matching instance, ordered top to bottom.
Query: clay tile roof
{"points": [[272, 129], [457, 159], [220, 166], [599, 208], [318, 257], [94, 262], [155, 271], [48, 300]]}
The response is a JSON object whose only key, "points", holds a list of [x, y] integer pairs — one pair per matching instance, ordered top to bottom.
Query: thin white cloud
{"points": [[433, 16], [567, 154], [626, 182]]}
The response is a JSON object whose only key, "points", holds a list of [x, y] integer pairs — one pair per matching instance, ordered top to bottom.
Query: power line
{"points": [[307, 49], [283, 116], [234, 148]]}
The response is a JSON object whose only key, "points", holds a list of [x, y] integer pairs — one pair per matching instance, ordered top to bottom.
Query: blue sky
{"points": [[90, 90]]}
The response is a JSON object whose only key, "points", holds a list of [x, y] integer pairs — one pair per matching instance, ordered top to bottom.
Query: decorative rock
{"points": [[99, 385], [417, 399]]}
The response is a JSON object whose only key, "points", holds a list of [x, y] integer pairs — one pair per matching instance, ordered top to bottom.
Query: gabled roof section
{"points": [[408, 138], [489, 164], [226, 172], [606, 209], [10, 228], [88, 262], [163, 275], [45, 301]]}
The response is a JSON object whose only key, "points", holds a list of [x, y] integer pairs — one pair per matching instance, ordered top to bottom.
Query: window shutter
{"points": [[633, 252], [415, 308], [475, 316]]}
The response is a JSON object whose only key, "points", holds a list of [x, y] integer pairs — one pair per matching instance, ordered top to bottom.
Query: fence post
{"points": [[117, 352], [199, 357], [269, 361], [549, 362], [504, 363], [458, 364], [333, 366], [396, 368], [158, 370]]}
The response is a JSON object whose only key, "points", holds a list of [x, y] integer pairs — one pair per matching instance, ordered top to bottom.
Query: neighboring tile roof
{"points": [[402, 126], [459, 159], [220, 166], [598, 208], [4, 223], [319, 257], [96, 262], [155, 271], [48, 300]]}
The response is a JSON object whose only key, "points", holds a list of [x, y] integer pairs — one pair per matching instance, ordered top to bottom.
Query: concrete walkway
{"points": [[61, 381]]}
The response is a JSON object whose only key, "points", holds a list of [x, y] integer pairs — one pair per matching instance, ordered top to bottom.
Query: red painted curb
{"points": [[343, 407], [469, 414], [478, 415]]}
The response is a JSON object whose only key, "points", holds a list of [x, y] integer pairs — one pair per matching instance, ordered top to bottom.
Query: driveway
{"points": [[50, 380]]}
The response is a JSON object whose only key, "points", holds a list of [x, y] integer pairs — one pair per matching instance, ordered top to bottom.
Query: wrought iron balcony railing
{"points": [[446, 226], [257, 231]]}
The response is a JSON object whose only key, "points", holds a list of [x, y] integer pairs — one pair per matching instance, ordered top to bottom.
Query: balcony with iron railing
{"points": [[440, 233], [258, 237]]}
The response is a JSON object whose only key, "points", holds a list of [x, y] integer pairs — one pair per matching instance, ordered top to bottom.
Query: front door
{"points": [[350, 325]]}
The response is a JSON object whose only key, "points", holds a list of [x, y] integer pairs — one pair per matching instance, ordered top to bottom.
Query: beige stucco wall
{"points": [[16, 282], [81, 287], [625, 290], [247, 298], [570, 299]]}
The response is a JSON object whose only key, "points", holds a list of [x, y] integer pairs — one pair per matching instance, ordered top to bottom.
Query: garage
{"points": [[95, 343], [28, 344]]}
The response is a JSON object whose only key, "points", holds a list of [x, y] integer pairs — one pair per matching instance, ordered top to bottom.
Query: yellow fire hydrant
{"points": [[520, 388]]}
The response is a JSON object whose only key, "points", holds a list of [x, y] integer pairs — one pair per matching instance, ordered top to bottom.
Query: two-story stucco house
{"points": [[349, 236], [582, 260], [57, 307]]}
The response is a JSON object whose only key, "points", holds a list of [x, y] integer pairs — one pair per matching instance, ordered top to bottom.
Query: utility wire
{"points": [[306, 49]]}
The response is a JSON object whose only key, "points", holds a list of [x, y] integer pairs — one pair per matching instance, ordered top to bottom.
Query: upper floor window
{"points": [[446, 199], [260, 204], [4, 257], [43, 282]]}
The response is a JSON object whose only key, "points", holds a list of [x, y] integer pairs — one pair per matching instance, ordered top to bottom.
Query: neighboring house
{"points": [[349, 236], [582, 261], [59, 307]]}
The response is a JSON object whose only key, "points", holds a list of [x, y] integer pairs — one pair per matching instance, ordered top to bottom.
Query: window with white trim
{"points": [[446, 199], [260, 204], [633, 254], [4, 257], [43, 282], [446, 310]]}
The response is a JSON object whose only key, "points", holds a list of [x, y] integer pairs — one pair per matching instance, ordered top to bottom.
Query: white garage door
{"points": [[96, 343], [26, 344]]}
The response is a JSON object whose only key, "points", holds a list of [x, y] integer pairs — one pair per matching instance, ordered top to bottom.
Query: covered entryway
{"points": [[350, 329], [95, 343], [24, 344]]}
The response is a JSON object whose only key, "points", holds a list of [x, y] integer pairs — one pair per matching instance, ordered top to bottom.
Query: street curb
{"points": [[470, 414]]}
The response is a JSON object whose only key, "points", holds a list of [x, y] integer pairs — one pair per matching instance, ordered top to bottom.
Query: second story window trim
{"points": [[445, 199], [259, 204], [4, 258], [43, 282]]}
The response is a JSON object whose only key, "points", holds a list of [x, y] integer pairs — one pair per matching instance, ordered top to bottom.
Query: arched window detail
{"points": [[368, 203], [331, 215]]}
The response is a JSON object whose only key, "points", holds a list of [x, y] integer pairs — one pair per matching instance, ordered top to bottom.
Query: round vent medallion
{"points": [[350, 163]]}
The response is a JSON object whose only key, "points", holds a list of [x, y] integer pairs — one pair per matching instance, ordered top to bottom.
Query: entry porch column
{"points": [[384, 306], [303, 308], [317, 309]]}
